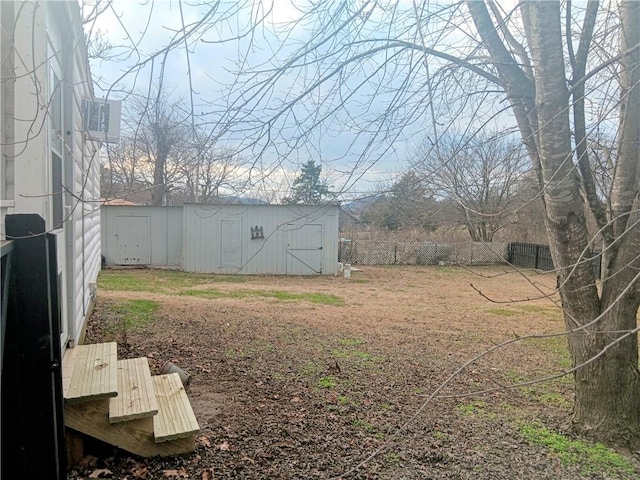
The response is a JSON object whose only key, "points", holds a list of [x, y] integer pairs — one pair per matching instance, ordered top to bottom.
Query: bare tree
{"points": [[541, 62], [160, 133], [162, 158], [206, 171], [480, 175], [406, 204]]}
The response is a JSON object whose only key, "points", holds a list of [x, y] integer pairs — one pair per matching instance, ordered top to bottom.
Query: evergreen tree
{"points": [[307, 188]]}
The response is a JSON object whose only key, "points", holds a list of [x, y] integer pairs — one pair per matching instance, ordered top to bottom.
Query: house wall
{"points": [[37, 39], [158, 230], [297, 240]]}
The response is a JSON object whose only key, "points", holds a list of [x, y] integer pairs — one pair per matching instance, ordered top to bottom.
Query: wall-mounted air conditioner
{"points": [[101, 119]]}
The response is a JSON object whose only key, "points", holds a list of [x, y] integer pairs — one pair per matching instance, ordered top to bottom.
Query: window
{"points": [[55, 110], [57, 146], [57, 190]]}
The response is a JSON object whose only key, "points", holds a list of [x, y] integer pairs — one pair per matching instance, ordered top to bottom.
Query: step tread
{"points": [[68, 361], [91, 372], [136, 395], [175, 418]]}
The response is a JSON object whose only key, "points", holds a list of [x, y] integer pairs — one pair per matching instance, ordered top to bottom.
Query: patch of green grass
{"points": [[150, 280], [359, 280], [122, 281], [210, 293], [318, 298], [503, 312], [552, 312], [134, 314], [127, 316], [558, 347], [347, 352], [235, 353], [365, 357], [308, 369], [327, 382], [545, 392], [553, 398], [468, 409], [364, 425], [440, 435], [392, 458], [592, 458]]}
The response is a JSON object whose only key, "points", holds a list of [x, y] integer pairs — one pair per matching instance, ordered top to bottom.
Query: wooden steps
{"points": [[91, 373], [136, 397], [120, 403], [171, 422]]}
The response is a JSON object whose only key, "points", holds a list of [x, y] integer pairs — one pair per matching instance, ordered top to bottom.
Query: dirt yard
{"points": [[308, 377]]}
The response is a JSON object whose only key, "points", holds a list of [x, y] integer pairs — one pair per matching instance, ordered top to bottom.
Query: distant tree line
{"points": [[480, 183]]}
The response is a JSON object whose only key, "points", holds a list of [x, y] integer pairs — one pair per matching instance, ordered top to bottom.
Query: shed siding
{"points": [[164, 235], [267, 255]]}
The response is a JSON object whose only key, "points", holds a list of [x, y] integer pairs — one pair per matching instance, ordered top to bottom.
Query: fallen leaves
{"points": [[101, 473], [175, 473], [207, 474]]}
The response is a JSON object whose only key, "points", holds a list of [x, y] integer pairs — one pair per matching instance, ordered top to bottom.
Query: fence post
{"points": [[395, 254], [536, 261]]}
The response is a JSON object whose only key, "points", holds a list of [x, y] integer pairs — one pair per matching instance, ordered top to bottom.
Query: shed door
{"points": [[132, 240], [230, 246], [304, 249]]}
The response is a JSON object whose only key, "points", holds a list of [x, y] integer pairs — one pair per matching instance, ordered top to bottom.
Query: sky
{"points": [[200, 73]]}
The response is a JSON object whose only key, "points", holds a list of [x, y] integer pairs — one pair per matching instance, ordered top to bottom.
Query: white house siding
{"points": [[48, 35], [6, 108], [156, 233], [298, 240]]}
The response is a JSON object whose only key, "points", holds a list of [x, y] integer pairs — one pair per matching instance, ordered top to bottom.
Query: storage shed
{"points": [[139, 235], [245, 239], [261, 239]]}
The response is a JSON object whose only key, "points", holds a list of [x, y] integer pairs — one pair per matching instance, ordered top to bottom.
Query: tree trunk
{"points": [[162, 153], [607, 383], [608, 388]]}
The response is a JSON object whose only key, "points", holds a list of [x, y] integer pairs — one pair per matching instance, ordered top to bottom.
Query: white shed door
{"points": [[132, 240], [230, 246], [304, 249]]}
